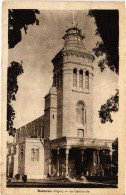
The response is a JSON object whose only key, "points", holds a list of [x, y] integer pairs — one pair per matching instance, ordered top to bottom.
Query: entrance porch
{"points": [[79, 157]]}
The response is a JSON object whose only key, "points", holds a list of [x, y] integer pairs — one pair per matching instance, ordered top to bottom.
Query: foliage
{"points": [[18, 19], [107, 22], [13, 71], [112, 105], [115, 152], [115, 156], [105, 159], [17, 176], [24, 178]]}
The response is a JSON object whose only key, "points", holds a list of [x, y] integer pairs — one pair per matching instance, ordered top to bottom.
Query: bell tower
{"points": [[73, 79]]}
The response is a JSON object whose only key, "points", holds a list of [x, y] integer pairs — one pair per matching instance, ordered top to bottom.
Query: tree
{"points": [[17, 19], [107, 22], [13, 71], [112, 105], [115, 156]]}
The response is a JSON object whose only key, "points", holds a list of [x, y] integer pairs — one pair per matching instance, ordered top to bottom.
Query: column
{"points": [[77, 79], [84, 79], [37, 132], [41, 132], [57, 161], [82, 161], [111, 161], [67, 162], [94, 163], [98, 163], [50, 164], [101, 171]]}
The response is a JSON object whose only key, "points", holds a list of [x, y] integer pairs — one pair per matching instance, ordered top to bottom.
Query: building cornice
{"points": [[79, 53], [78, 64], [85, 92], [50, 108], [81, 142]]}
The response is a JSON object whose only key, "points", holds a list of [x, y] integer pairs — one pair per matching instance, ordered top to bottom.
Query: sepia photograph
{"points": [[62, 99]]}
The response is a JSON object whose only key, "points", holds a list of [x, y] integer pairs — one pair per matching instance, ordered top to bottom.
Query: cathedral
{"points": [[60, 143]]}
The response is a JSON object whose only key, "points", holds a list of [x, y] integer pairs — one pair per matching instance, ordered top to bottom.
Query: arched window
{"points": [[74, 77], [81, 79], [86, 80], [80, 110], [34, 131], [42, 131], [80, 133], [21, 152], [32, 154], [35, 154]]}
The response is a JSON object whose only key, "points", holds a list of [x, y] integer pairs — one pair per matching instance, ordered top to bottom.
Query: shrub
{"points": [[17, 176]]}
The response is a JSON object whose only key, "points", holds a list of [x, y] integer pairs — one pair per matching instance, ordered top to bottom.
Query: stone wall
{"points": [[72, 95], [68, 96], [50, 116], [33, 129], [11, 153], [47, 157], [21, 159], [16, 160], [34, 169]]}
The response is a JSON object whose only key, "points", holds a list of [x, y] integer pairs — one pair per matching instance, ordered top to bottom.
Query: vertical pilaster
{"points": [[77, 79], [84, 80], [41, 132], [58, 161], [67, 162], [50, 163], [49, 166]]}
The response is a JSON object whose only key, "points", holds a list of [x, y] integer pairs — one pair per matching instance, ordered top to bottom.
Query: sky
{"points": [[37, 48]]}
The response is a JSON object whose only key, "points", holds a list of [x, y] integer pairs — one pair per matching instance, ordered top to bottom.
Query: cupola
{"points": [[73, 38]]}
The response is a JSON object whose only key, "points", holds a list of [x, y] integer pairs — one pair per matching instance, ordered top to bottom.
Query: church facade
{"points": [[60, 143]]}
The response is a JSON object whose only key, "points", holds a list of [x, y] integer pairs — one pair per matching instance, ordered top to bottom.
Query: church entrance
{"points": [[74, 162], [82, 162], [78, 163]]}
